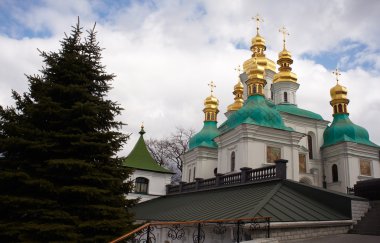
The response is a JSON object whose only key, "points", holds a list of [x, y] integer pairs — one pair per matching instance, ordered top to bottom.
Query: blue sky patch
{"points": [[12, 27], [344, 56]]}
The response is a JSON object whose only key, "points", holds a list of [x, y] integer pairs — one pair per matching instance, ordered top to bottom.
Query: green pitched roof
{"points": [[256, 110], [294, 110], [342, 129], [205, 138], [140, 158], [282, 200]]}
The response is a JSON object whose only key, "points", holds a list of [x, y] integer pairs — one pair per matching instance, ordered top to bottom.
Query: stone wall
{"points": [[359, 208], [284, 232]]}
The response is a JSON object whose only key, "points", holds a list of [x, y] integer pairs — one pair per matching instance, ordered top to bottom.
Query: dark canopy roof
{"points": [[282, 200]]}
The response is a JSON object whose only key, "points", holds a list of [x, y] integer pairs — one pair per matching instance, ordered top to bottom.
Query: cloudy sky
{"points": [[164, 53]]}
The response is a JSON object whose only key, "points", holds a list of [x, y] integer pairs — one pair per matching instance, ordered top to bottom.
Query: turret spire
{"points": [[285, 61], [256, 81], [238, 92], [338, 95], [211, 105], [142, 132]]}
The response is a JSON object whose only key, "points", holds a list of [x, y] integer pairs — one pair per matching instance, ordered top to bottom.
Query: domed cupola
{"points": [[258, 48], [285, 61], [285, 86], [238, 92], [255, 110], [342, 129], [205, 138]]}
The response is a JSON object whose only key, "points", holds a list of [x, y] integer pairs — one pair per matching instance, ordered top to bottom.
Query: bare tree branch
{"points": [[169, 150]]}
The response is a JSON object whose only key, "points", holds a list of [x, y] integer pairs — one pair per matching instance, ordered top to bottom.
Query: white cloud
{"points": [[164, 54]]}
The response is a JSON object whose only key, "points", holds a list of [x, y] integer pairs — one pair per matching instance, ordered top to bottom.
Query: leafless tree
{"points": [[168, 151]]}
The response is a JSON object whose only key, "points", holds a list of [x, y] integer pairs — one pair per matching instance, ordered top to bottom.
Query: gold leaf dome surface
{"points": [[338, 92], [211, 102]]}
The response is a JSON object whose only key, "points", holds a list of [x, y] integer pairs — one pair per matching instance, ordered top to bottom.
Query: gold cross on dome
{"points": [[258, 19], [284, 32], [238, 69], [337, 74], [212, 86]]}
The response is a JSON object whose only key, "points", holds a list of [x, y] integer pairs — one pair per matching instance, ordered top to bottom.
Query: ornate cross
{"points": [[258, 19], [284, 32], [238, 69], [337, 74], [212, 86]]}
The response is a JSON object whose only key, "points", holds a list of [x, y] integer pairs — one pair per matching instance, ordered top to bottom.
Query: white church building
{"points": [[265, 124]]}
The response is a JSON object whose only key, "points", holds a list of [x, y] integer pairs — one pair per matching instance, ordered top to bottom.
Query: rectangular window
{"points": [[273, 154], [302, 161], [365, 167], [194, 174]]}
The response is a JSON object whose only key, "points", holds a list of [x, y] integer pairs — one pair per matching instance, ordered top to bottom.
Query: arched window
{"points": [[254, 89], [285, 96], [335, 109], [340, 109], [310, 146], [233, 161], [334, 170], [141, 185]]}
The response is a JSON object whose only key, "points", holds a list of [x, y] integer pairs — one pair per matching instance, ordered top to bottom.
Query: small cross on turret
{"points": [[258, 19], [284, 32], [238, 70], [337, 74], [212, 86]]}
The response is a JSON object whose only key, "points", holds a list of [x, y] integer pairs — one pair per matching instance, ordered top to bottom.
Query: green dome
{"points": [[294, 110], [255, 111], [343, 130], [205, 137]]}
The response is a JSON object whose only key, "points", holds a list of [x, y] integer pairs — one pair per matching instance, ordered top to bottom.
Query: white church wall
{"points": [[280, 88], [250, 144], [348, 156], [202, 160], [156, 187]]}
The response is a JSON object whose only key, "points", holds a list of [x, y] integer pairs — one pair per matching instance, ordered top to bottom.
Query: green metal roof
{"points": [[294, 110], [255, 111], [342, 129], [205, 138], [140, 158], [282, 200]]}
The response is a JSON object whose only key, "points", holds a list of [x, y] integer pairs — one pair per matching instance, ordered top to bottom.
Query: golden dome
{"points": [[258, 40], [285, 54], [262, 61], [255, 70], [285, 73], [239, 86], [238, 92], [338, 92], [211, 102]]}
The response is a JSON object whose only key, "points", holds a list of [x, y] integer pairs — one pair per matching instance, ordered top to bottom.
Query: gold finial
{"points": [[258, 19], [284, 32], [238, 69], [337, 74], [212, 86], [142, 132]]}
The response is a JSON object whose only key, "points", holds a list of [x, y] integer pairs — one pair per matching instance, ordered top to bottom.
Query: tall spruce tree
{"points": [[60, 179]]}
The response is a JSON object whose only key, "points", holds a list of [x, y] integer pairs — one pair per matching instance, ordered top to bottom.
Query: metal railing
{"points": [[246, 175], [199, 231]]}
